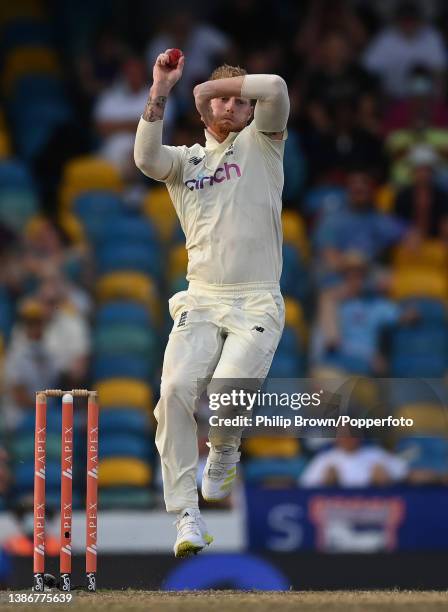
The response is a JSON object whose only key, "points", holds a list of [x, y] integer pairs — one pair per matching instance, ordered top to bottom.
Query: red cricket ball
{"points": [[174, 56]]}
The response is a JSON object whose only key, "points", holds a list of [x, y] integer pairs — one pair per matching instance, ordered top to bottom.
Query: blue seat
{"points": [[23, 32], [15, 174], [93, 205], [128, 229], [136, 257], [294, 280], [430, 310], [121, 311], [6, 313], [289, 342], [419, 350], [285, 365], [122, 366], [125, 420], [120, 444], [429, 453], [259, 470], [24, 475]]}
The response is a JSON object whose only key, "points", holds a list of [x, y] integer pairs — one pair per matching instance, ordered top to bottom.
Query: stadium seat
{"points": [[25, 32], [28, 60], [88, 173], [14, 174], [17, 207], [93, 207], [158, 207], [294, 232], [129, 256], [177, 262], [294, 280], [415, 282], [129, 286], [122, 311], [294, 317], [125, 339], [419, 350], [286, 365], [124, 366], [118, 392], [429, 419], [125, 420], [119, 444], [22, 446], [263, 446], [424, 453], [274, 470], [124, 472], [129, 498]]}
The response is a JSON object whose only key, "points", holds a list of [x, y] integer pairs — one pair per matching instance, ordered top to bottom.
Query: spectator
{"points": [[324, 16], [204, 47], [397, 48], [99, 68], [337, 76], [421, 107], [119, 109], [423, 204], [359, 227], [352, 317], [67, 334], [30, 365], [351, 464], [5, 476]]}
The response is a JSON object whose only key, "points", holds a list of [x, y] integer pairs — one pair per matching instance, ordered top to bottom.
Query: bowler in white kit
{"points": [[227, 325]]}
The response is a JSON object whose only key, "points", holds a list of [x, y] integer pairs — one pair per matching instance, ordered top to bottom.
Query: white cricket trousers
{"points": [[218, 333]]}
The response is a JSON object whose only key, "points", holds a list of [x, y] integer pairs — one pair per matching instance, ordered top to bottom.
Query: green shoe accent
{"points": [[208, 539], [186, 549]]}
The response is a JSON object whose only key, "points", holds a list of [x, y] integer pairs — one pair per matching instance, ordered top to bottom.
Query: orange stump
{"points": [[40, 443], [92, 491], [65, 546]]}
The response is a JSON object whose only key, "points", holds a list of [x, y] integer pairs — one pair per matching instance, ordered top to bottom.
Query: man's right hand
{"points": [[164, 77]]}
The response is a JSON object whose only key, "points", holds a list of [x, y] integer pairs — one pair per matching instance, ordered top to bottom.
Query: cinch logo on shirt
{"points": [[223, 173]]}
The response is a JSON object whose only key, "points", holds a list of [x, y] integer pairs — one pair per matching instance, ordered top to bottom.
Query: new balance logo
{"points": [[229, 151], [195, 160], [183, 319], [258, 328]]}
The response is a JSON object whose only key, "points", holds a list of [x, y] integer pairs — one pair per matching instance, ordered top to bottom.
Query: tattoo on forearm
{"points": [[155, 107]]}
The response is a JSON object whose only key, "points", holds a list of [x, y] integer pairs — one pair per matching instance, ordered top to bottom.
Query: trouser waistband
{"points": [[238, 289]]}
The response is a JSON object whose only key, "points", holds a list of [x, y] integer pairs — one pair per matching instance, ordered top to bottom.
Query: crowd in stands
{"points": [[90, 249]]}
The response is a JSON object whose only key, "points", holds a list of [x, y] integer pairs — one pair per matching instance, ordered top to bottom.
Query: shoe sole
{"points": [[215, 499], [187, 549]]}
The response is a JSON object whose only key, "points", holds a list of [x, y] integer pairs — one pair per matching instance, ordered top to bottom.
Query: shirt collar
{"points": [[212, 144]]}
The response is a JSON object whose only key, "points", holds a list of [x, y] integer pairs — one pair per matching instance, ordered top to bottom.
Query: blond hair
{"points": [[225, 72]]}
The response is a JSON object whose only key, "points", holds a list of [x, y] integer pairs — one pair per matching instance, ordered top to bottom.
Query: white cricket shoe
{"points": [[219, 472], [192, 533]]}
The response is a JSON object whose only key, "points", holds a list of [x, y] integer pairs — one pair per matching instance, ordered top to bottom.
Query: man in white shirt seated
{"points": [[352, 464]]}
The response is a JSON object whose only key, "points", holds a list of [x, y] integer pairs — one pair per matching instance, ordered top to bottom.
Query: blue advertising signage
{"points": [[347, 520]]}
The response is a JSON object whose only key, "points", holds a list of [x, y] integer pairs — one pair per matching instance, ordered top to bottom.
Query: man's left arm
{"points": [[269, 90]]}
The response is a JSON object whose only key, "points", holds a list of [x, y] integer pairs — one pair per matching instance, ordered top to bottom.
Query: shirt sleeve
{"points": [[272, 107], [156, 160]]}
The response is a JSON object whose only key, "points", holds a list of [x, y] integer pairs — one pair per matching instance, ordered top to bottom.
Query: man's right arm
{"points": [[150, 155]]}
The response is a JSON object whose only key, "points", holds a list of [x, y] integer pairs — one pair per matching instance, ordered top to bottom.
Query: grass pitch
{"points": [[237, 601]]}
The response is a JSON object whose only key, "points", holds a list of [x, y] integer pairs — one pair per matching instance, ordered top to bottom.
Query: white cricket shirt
{"points": [[228, 199]]}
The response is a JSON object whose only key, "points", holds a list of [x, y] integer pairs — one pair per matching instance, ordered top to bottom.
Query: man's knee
{"points": [[176, 393]]}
